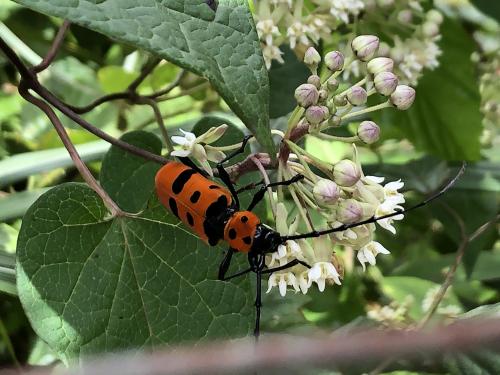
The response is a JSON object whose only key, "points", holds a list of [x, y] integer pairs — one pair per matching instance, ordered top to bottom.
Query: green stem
{"points": [[360, 83], [383, 105], [294, 120], [336, 138], [298, 150]]}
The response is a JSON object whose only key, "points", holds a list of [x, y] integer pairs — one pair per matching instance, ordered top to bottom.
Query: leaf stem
{"points": [[73, 153]]}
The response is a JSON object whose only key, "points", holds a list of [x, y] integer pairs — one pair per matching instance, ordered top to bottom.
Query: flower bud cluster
{"points": [[291, 22], [326, 100]]}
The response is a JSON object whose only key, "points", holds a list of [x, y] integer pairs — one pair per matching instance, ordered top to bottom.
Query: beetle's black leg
{"points": [[224, 176], [250, 186], [262, 191], [226, 262], [257, 264], [286, 266]]}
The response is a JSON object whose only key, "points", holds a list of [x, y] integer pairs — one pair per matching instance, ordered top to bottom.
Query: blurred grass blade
{"points": [[23, 165], [15, 205], [7, 273]]}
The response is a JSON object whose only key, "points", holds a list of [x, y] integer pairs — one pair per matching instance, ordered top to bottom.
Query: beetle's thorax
{"points": [[240, 229]]}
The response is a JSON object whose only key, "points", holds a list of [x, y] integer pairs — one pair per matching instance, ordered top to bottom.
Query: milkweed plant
{"points": [[341, 193]]}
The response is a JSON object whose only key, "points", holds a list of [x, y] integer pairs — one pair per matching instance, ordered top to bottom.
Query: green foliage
{"points": [[221, 46], [283, 80], [445, 119], [131, 183], [104, 284]]}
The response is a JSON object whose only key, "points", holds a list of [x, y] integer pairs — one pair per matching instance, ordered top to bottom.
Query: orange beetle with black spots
{"points": [[213, 213]]}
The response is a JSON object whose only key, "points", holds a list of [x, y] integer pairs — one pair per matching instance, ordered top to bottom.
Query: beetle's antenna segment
{"points": [[374, 219]]}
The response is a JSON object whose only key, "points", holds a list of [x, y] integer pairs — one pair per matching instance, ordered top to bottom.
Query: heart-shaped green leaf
{"points": [[220, 45], [92, 283]]}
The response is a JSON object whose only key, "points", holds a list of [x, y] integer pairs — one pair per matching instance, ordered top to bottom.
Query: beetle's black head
{"points": [[266, 240]]}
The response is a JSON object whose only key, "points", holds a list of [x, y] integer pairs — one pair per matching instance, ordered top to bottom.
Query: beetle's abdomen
{"points": [[194, 199]]}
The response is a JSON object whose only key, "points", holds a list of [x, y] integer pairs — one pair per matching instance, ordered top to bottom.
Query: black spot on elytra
{"points": [[181, 180], [214, 187], [195, 196], [173, 206], [214, 211], [190, 219], [244, 219], [232, 234], [247, 240]]}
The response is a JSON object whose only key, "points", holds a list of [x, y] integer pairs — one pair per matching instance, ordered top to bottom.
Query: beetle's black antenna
{"points": [[374, 219]]}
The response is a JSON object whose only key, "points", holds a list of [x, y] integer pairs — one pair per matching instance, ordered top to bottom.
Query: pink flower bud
{"points": [[405, 16], [435, 16], [430, 29], [365, 46], [384, 50], [312, 58], [334, 61], [380, 64], [314, 80], [385, 83], [332, 84], [306, 95], [323, 95], [357, 95], [403, 97], [340, 100], [316, 114], [334, 121], [368, 132], [346, 173], [326, 192], [349, 211]]}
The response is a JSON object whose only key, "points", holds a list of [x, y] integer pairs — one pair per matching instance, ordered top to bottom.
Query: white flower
{"points": [[341, 9], [267, 30], [297, 34], [271, 53], [197, 146], [391, 192], [386, 208], [348, 234], [368, 253], [322, 271], [282, 280]]}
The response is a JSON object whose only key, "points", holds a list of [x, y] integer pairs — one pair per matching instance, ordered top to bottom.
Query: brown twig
{"points": [[54, 48], [159, 119], [73, 153], [283, 353]]}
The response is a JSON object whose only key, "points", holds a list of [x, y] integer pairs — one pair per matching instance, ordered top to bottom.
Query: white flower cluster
{"points": [[289, 21]]}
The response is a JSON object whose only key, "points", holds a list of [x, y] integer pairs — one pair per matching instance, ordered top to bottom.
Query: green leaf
{"points": [[488, 7], [222, 46], [115, 78], [283, 80], [445, 119], [127, 178], [90, 283]]}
